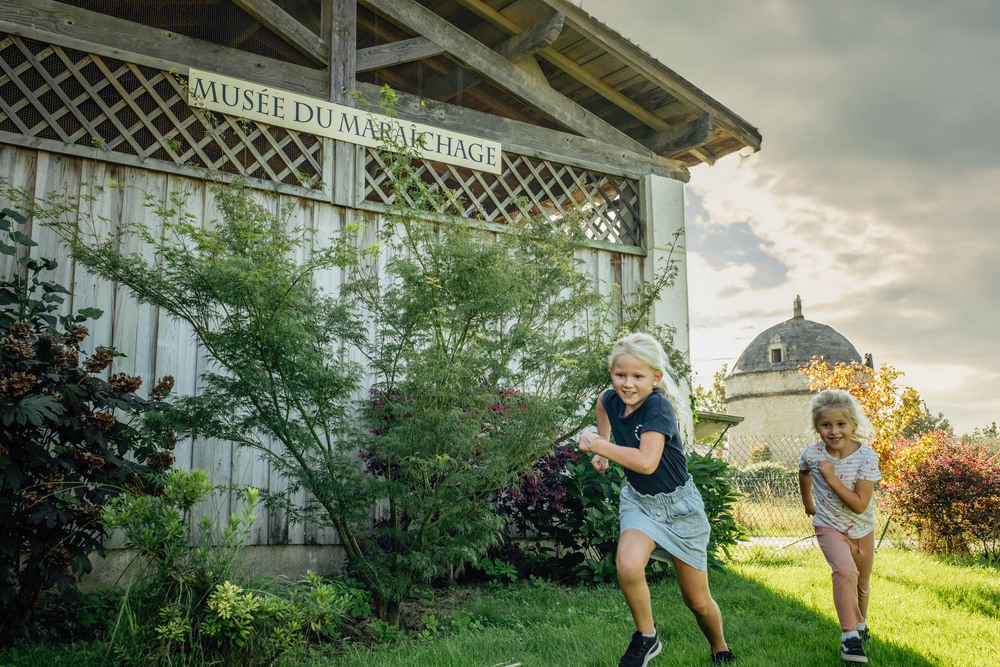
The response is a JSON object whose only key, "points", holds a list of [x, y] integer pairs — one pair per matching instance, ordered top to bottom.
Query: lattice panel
{"points": [[65, 95], [526, 187]]}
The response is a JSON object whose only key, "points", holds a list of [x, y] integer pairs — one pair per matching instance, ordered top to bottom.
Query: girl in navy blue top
{"points": [[661, 511]]}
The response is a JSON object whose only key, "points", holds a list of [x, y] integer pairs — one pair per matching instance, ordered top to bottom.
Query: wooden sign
{"points": [[259, 103]]}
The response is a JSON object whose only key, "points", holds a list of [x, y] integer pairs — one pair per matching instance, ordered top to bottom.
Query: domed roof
{"points": [[794, 343]]}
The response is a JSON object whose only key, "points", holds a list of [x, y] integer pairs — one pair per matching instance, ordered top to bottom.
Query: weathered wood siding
{"points": [[154, 343]]}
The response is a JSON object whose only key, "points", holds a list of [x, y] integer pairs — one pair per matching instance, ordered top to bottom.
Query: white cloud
{"points": [[877, 191]]}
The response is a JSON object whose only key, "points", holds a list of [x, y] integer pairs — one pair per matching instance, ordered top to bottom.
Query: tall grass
{"points": [[776, 604]]}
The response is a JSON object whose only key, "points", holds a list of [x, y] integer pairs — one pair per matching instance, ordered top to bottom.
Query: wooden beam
{"points": [[342, 19], [285, 26], [91, 32], [107, 36], [540, 36], [397, 53], [652, 69], [501, 71], [582, 75], [682, 138], [530, 140]]}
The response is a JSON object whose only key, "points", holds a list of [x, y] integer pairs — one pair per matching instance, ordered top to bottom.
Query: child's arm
{"points": [[643, 460], [597, 462], [806, 489], [856, 499]]}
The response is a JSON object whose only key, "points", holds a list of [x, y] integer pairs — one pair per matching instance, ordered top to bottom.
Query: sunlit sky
{"points": [[876, 195]]}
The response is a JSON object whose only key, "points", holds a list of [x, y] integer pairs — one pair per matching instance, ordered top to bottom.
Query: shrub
{"points": [[69, 439], [907, 454], [710, 475], [765, 480], [565, 500], [950, 500], [188, 605]]}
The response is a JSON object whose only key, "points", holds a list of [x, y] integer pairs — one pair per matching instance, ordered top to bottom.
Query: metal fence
{"points": [[764, 471]]}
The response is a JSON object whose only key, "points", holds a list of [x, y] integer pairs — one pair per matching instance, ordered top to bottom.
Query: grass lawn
{"points": [[777, 607]]}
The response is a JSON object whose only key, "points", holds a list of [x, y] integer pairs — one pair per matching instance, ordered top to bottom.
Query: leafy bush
{"points": [[70, 440], [908, 453], [710, 475], [765, 480], [565, 500], [951, 500], [185, 607], [73, 616]]}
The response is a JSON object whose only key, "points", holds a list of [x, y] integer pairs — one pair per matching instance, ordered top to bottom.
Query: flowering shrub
{"points": [[69, 439], [950, 500]]}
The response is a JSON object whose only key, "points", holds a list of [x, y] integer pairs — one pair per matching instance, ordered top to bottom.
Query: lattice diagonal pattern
{"points": [[70, 96], [526, 187]]}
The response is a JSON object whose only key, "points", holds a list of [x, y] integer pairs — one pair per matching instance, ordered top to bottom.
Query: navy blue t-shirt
{"points": [[655, 414]]}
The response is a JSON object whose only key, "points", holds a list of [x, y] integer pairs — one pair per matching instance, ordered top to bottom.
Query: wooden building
{"points": [[91, 91]]}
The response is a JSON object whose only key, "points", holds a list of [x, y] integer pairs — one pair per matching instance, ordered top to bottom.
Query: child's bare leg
{"points": [[634, 548], [698, 598]]}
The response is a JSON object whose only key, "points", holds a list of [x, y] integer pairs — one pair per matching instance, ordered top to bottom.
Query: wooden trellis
{"points": [[61, 94], [608, 205]]}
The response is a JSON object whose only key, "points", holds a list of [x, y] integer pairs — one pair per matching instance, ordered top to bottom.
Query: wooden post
{"points": [[340, 29], [662, 208]]}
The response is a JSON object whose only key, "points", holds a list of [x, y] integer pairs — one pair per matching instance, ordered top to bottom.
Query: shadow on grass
{"points": [[763, 627]]}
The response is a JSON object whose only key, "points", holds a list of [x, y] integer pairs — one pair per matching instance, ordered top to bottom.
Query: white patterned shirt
{"points": [[831, 511]]}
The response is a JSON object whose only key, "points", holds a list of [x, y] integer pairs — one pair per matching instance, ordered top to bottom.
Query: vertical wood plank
{"points": [[18, 167], [58, 176], [99, 217], [212, 455]]}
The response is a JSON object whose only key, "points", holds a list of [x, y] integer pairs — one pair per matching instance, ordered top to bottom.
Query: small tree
{"points": [[713, 399], [926, 422], [70, 440]]}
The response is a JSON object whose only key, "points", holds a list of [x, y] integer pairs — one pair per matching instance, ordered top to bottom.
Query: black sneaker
{"points": [[863, 634], [640, 650], [852, 651], [723, 656]]}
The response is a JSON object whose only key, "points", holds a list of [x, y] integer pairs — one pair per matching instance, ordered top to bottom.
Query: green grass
{"points": [[777, 607]]}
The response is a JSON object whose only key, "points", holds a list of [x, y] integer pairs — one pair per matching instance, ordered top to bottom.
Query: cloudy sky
{"points": [[876, 195]]}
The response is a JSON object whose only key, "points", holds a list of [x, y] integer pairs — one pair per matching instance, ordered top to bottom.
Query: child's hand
{"points": [[584, 440], [599, 463], [825, 468]]}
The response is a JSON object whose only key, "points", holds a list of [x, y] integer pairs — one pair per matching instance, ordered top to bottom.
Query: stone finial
{"points": [[797, 308]]}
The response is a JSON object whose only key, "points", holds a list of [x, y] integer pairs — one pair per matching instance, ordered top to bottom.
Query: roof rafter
{"points": [[285, 26], [536, 37], [397, 53], [501, 71], [583, 76]]}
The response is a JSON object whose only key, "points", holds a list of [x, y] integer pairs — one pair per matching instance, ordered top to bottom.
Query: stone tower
{"points": [[766, 389]]}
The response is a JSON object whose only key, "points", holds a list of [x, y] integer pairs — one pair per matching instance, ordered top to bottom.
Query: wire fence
{"points": [[764, 471]]}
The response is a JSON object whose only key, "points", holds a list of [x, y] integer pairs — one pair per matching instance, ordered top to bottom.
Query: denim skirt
{"points": [[676, 521]]}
